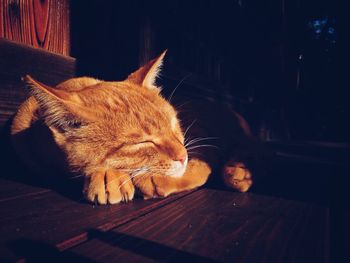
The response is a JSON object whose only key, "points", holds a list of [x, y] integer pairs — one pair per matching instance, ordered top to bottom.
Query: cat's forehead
{"points": [[114, 98]]}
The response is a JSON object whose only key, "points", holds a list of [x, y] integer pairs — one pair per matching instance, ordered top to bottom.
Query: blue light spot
{"points": [[331, 30]]}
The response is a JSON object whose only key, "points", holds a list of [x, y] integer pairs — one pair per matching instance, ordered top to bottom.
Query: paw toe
{"points": [[94, 190], [127, 191], [114, 197]]}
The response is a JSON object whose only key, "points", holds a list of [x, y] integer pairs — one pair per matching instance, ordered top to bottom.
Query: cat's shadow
{"points": [[12, 169]]}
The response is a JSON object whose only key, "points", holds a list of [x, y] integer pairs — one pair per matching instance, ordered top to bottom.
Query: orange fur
{"points": [[119, 135]]}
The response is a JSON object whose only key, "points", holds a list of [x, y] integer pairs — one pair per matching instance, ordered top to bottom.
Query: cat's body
{"points": [[124, 135]]}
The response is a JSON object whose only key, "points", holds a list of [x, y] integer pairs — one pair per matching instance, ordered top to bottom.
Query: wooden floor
{"points": [[205, 225]]}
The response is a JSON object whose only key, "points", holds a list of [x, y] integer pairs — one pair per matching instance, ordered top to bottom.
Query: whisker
{"points": [[178, 85], [179, 107], [188, 128], [199, 140], [193, 141], [202, 145], [131, 171], [138, 171], [143, 171], [144, 174], [78, 176], [130, 178]]}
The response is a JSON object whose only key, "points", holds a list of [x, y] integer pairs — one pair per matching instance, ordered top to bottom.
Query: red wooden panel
{"points": [[39, 23]]}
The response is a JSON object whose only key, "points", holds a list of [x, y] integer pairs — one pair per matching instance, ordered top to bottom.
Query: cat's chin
{"points": [[177, 169], [177, 174]]}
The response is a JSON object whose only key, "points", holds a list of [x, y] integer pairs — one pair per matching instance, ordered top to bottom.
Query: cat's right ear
{"points": [[146, 75], [60, 108]]}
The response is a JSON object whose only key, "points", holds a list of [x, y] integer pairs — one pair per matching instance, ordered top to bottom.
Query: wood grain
{"points": [[39, 23], [11, 190], [61, 220], [217, 226]]}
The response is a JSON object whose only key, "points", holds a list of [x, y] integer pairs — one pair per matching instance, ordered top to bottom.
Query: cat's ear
{"points": [[146, 75], [60, 109]]}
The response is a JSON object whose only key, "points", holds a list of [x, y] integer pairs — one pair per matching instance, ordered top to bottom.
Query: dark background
{"points": [[276, 62]]}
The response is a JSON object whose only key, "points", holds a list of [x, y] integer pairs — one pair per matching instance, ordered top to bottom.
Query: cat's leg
{"points": [[196, 175], [237, 176], [145, 184], [109, 186]]}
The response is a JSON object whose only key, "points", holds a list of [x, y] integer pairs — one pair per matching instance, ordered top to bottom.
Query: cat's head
{"points": [[124, 125]]}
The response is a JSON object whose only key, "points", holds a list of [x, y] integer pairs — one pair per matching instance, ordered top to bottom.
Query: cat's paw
{"points": [[196, 175], [237, 176], [156, 186], [109, 187], [162, 188]]}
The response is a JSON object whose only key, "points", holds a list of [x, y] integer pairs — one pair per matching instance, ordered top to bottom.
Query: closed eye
{"points": [[143, 142]]}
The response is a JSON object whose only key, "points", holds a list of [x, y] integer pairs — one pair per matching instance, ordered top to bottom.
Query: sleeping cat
{"points": [[123, 136]]}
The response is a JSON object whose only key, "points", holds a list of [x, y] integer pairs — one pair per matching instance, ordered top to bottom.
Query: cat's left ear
{"points": [[146, 76]]}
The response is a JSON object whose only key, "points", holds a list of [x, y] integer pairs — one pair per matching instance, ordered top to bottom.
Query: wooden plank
{"points": [[38, 23], [17, 60], [16, 190], [60, 220], [217, 226]]}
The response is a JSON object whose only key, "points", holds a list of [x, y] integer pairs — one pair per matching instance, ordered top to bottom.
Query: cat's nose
{"points": [[181, 158]]}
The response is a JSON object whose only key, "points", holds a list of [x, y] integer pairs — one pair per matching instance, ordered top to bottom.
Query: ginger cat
{"points": [[118, 135]]}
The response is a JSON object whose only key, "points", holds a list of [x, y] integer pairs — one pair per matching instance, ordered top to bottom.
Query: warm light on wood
{"points": [[39, 23]]}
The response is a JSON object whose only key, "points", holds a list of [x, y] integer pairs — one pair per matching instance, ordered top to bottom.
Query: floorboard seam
{"points": [[24, 195], [84, 237]]}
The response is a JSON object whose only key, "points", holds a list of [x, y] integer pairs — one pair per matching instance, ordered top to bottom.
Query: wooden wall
{"points": [[38, 23], [17, 60]]}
